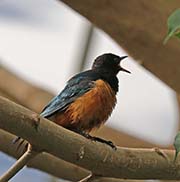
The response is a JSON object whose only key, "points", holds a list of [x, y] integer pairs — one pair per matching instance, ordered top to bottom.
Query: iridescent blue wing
{"points": [[76, 87]]}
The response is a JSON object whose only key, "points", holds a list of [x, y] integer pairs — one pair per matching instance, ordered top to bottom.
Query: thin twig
{"points": [[19, 164], [86, 178], [89, 178]]}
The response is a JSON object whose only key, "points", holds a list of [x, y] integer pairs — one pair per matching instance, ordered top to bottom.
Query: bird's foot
{"points": [[16, 139], [97, 139], [19, 141], [110, 143]]}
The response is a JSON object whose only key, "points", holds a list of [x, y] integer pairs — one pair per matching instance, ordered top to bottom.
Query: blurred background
{"points": [[44, 43]]}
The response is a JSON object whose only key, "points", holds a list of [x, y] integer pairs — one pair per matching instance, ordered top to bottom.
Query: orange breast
{"points": [[90, 110]]}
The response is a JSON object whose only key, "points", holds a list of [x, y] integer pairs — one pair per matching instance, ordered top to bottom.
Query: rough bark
{"points": [[97, 157]]}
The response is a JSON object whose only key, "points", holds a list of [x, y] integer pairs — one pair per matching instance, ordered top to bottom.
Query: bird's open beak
{"points": [[123, 57], [122, 69]]}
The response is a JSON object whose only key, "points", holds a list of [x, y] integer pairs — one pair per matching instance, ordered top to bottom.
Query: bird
{"points": [[88, 99]]}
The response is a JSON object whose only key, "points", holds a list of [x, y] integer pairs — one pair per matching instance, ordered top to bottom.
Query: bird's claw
{"points": [[97, 139], [15, 140], [20, 142], [111, 144]]}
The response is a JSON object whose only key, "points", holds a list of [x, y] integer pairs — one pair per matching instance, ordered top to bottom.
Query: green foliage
{"points": [[173, 23], [177, 145]]}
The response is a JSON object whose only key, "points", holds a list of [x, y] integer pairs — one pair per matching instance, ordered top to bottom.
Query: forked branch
{"points": [[100, 159], [19, 164]]}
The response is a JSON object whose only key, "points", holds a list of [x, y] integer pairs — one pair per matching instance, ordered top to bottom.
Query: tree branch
{"points": [[23, 92], [39, 98], [94, 156], [44, 161], [20, 163]]}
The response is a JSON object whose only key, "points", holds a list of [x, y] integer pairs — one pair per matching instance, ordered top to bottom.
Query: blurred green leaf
{"points": [[173, 23], [178, 35], [177, 145]]}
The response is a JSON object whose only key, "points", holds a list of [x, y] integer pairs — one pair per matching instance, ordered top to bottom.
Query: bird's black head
{"points": [[108, 64]]}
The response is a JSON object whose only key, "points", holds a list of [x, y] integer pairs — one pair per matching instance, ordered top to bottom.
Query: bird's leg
{"points": [[97, 139]]}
